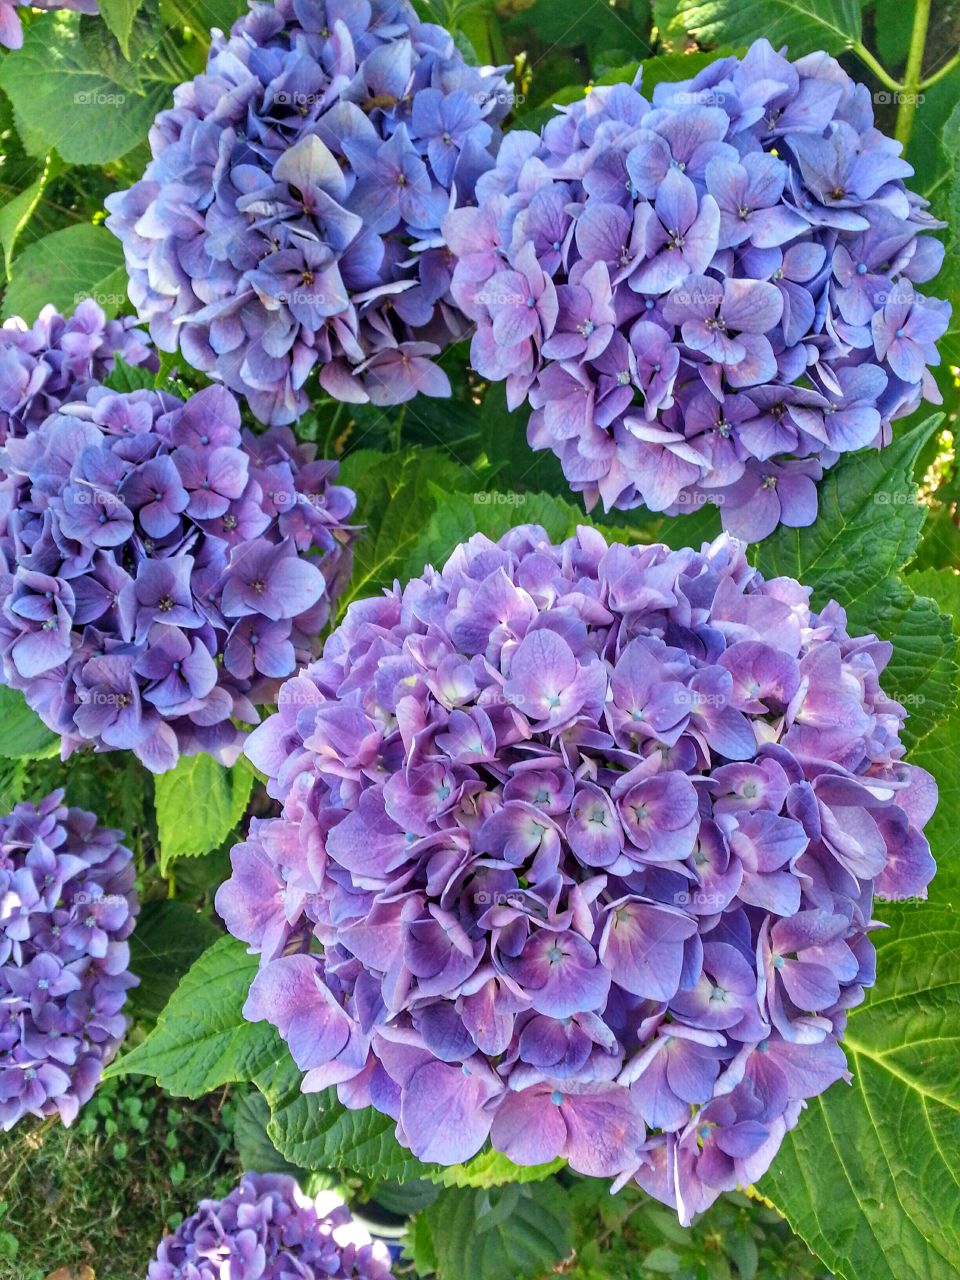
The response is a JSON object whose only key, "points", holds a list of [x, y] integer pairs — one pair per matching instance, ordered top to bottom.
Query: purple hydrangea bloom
{"points": [[290, 217], [708, 297], [44, 365], [162, 570], [589, 836], [67, 906], [268, 1229]]}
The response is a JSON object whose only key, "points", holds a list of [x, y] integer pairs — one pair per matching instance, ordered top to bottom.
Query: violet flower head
{"points": [[290, 217], [745, 238], [45, 365], [163, 570], [588, 837], [67, 907], [268, 1229]]}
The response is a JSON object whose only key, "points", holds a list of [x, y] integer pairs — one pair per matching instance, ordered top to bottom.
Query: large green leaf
{"points": [[119, 16], [804, 25], [87, 113], [16, 213], [82, 261], [396, 496], [868, 525], [868, 528], [23, 735], [198, 804], [168, 938], [202, 1040], [315, 1130], [869, 1177], [501, 1234]]}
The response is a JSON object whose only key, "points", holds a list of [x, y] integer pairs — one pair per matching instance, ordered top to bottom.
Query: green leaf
{"points": [[118, 16], [894, 23], [804, 25], [83, 111], [16, 213], [82, 261], [127, 377], [396, 496], [459, 516], [868, 528], [942, 585], [922, 670], [24, 736], [938, 753], [198, 805], [168, 938], [202, 1040], [315, 1130], [257, 1153], [493, 1169], [869, 1176], [501, 1234]]}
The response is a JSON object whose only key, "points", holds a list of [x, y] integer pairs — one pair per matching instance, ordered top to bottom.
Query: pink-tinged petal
{"points": [[442, 1113]]}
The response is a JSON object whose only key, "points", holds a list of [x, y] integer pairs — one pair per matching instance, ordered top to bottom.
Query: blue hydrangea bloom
{"points": [[290, 217], [706, 297], [56, 359], [162, 570], [589, 836], [67, 906], [268, 1229]]}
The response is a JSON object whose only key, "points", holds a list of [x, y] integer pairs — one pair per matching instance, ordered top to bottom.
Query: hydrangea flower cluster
{"points": [[11, 28], [291, 214], [706, 298], [56, 359], [157, 582], [589, 836], [67, 906], [267, 1229]]}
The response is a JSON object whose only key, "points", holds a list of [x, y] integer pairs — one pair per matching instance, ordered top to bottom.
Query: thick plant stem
{"points": [[878, 69], [913, 72]]}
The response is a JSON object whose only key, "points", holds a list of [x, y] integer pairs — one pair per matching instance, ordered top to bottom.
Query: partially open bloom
{"points": [[290, 217], [708, 297], [56, 359], [162, 570], [589, 836], [67, 906], [268, 1229]]}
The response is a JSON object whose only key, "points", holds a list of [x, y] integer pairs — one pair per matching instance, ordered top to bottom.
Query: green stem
{"points": [[878, 69], [944, 71], [913, 72]]}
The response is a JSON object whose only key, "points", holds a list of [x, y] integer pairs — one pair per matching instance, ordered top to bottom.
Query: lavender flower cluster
{"points": [[11, 28], [291, 214], [707, 298], [56, 359], [156, 584], [589, 835], [67, 906], [267, 1229]]}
